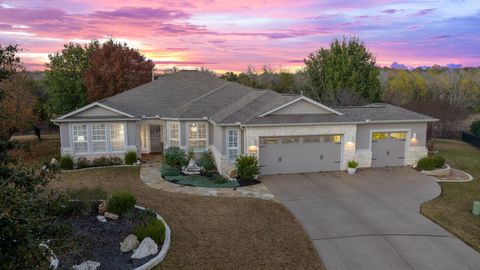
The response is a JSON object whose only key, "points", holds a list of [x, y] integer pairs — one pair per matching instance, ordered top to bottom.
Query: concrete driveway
{"points": [[371, 220]]}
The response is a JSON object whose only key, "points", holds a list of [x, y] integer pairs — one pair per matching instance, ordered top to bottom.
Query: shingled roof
{"points": [[195, 95]]}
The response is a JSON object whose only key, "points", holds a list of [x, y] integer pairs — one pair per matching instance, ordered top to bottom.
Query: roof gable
{"points": [[302, 105], [95, 109]]}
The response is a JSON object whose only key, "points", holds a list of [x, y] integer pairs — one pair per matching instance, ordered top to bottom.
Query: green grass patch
{"points": [[199, 181]]}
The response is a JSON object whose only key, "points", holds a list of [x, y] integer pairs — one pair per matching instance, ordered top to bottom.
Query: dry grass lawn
{"points": [[453, 208], [213, 232]]}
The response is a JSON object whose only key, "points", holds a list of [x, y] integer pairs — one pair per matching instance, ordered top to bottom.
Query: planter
{"points": [[351, 170], [439, 172]]}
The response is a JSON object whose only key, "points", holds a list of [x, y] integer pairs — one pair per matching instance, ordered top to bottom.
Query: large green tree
{"points": [[347, 66], [114, 68], [64, 77]]}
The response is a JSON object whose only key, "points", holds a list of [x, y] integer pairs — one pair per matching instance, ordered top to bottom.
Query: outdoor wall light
{"points": [[414, 138], [252, 149]]}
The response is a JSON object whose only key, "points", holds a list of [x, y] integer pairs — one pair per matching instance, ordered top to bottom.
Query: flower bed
{"points": [[445, 170], [199, 181]]}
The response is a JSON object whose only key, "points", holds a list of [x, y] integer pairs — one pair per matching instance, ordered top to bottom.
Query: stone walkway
{"points": [[150, 175]]}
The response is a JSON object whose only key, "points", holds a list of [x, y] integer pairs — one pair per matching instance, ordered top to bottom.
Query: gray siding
{"points": [[302, 107], [97, 111], [363, 132], [131, 133], [183, 133], [65, 135], [218, 138]]}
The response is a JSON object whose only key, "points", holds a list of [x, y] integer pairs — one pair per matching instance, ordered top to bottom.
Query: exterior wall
{"points": [[301, 107], [97, 111], [253, 134], [65, 135], [415, 149]]}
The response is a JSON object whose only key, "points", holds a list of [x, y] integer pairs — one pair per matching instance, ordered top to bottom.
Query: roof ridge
{"points": [[200, 97]]}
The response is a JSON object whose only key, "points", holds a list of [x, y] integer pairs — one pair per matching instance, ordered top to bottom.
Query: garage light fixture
{"points": [[414, 138], [252, 149]]}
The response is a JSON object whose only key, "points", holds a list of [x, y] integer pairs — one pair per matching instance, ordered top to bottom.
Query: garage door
{"points": [[388, 149], [280, 155]]}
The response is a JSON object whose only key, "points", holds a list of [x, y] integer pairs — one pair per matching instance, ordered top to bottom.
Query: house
{"points": [[288, 133]]}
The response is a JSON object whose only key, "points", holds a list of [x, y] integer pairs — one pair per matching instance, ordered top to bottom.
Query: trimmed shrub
{"points": [[475, 128], [190, 155], [175, 156], [130, 157], [106, 161], [207, 161], [438, 161], [66, 163], [83, 163], [352, 164], [426, 164], [247, 167], [168, 170], [219, 179], [121, 202], [154, 229]]}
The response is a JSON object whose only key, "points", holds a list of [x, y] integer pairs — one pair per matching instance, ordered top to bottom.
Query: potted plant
{"points": [[352, 166]]}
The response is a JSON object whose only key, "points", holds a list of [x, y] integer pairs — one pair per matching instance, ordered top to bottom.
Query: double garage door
{"points": [[388, 149], [295, 154]]}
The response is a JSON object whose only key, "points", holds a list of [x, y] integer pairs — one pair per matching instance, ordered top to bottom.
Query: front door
{"points": [[156, 144]]}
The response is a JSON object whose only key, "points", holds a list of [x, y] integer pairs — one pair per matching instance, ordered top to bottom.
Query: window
{"points": [[173, 134], [398, 135], [197, 136], [379, 136], [117, 137], [99, 138], [80, 139], [311, 139], [337, 139], [268, 140], [286, 140], [233, 144]]}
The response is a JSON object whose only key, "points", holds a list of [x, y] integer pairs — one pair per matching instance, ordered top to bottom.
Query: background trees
{"points": [[114, 68]]}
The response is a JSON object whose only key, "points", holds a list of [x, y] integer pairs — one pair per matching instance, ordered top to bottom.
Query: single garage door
{"points": [[388, 149], [297, 154]]}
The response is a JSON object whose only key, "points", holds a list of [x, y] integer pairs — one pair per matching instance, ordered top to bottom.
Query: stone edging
{"points": [[99, 167], [470, 178], [163, 252]]}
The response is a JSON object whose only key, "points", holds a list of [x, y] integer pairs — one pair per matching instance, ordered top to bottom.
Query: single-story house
{"points": [[288, 133]]}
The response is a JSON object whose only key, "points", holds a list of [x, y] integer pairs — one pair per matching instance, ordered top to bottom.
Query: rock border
{"points": [[99, 167], [439, 172], [470, 178], [165, 247]]}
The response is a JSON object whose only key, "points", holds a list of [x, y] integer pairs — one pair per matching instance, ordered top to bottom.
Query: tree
{"points": [[9, 60], [347, 64], [115, 68], [229, 76], [64, 77], [405, 87], [18, 104]]}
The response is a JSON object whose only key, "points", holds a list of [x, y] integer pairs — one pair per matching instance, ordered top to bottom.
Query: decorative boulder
{"points": [[54, 162], [232, 173], [102, 207], [110, 215], [101, 219], [129, 243], [146, 248], [87, 265]]}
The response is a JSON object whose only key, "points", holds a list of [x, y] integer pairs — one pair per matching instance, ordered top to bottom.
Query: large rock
{"points": [[102, 207], [110, 215], [129, 243], [146, 248], [87, 265]]}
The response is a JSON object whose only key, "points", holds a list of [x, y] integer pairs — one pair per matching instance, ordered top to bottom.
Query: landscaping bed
{"points": [[199, 181]]}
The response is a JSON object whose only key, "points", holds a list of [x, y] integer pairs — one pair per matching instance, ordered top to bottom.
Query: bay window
{"points": [[173, 134], [197, 136], [117, 137], [80, 138], [99, 138], [233, 143]]}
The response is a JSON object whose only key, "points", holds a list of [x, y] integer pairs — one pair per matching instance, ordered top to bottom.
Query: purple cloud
{"points": [[392, 11], [423, 12], [142, 13], [440, 37]]}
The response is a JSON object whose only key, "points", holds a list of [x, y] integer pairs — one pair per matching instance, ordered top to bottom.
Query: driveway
{"points": [[371, 220]]}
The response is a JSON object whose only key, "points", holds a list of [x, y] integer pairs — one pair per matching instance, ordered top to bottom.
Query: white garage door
{"points": [[279, 155]]}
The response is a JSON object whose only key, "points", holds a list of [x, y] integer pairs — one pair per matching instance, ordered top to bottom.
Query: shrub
{"points": [[475, 128], [190, 155], [175, 156], [130, 157], [106, 161], [115, 161], [207, 161], [438, 161], [66, 163], [83, 163], [352, 164], [425, 164], [247, 167], [168, 170], [219, 179], [121, 202], [145, 216], [154, 229]]}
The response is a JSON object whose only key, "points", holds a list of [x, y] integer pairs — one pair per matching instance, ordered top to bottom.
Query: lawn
{"points": [[35, 153], [453, 208], [207, 232]]}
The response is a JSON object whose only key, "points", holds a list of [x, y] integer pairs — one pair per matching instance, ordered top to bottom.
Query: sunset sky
{"points": [[230, 35]]}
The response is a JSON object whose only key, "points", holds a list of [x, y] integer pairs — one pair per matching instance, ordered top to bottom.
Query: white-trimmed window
{"points": [[173, 134], [197, 136], [117, 137], [80, 138], [99, 138], [233, 144]]}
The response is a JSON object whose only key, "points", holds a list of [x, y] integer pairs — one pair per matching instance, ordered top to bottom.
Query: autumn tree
{"points": [[9, 60], [346, 65], [115, 68], [63, 80], [404, 87]]}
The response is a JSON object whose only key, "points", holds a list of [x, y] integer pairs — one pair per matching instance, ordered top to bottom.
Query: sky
{"points": [[231, 35]]}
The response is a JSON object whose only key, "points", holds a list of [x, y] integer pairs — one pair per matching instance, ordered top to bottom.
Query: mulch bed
{"points": [[251, 182], [100, 242]]}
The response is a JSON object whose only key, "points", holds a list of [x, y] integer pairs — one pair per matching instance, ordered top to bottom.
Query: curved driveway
{"points": [[371, 220]]}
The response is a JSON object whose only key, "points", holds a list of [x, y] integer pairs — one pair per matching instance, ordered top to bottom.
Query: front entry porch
{"points": [[152, 136]]}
